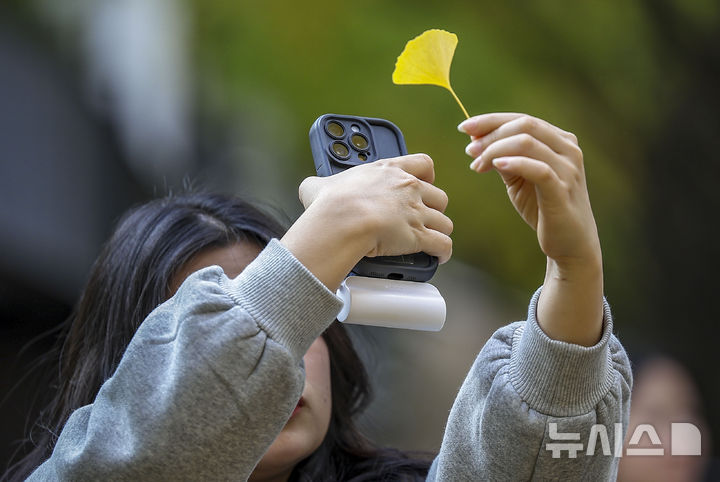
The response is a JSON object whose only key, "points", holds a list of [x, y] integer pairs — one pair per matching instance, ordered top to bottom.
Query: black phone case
{"points": [[384, 140]]}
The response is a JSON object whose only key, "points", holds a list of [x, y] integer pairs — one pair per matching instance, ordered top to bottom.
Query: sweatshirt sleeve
{"points": [[207, 382], [522, 397]]}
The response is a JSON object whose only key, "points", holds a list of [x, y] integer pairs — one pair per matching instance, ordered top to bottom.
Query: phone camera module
{"points": [[335, 129], [359, 142], [340, 150], [362, 156]]}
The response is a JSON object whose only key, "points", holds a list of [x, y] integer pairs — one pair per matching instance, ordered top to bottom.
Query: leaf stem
{"points": [[467, 116]]}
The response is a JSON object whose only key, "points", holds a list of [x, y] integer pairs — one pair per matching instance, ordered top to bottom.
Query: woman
{"points": [[211, 383]]}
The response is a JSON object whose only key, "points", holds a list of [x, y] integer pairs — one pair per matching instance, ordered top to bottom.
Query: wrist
{"points": [[327, 242], [583, 270], [570, 307]]}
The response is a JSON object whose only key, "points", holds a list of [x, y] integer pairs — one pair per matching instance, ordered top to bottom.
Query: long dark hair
{"points": [[132, 276]]}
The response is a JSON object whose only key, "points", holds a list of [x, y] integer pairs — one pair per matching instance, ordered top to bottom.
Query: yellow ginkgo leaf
{"points": [[426, 60]]}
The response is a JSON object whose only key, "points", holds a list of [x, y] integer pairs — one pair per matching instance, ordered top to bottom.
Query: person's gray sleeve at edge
{"points": [[207, 382], [520, 383], [166, 416]]}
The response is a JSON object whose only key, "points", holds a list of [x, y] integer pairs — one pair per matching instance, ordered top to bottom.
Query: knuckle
{"points": [[528, 123], [572, 137], [526, 141], [577, 153], [425, 159], [388, 162], [381, 163], [428, 167], [390, 170], [546, 173], [578, 175], [409, 181], [304, 184], [305, 187], [566, 189], [444, 200], [416, 205], [416, 223], [450, 226], [447, 246]]}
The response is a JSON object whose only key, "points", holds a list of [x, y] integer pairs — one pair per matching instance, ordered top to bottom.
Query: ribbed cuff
{"points": [[286, 300], [558, 378]]}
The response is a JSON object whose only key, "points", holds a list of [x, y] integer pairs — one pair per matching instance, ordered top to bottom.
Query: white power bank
{"points": [[391, 303]]}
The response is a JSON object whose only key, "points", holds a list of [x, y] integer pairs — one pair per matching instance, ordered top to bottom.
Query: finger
{"points": [[483, 124], [480, 125], [554, 137], [522, 145], [419, 165], [532, 170], [433, 197], [437, 221], [437, 244]]}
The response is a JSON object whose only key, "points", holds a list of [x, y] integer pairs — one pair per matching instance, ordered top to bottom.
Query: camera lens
{"points": [[335, 129], [359, 141], [340, 150]]}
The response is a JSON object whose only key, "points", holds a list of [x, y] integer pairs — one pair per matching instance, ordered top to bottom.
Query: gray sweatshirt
{"points": [[212, 375]]}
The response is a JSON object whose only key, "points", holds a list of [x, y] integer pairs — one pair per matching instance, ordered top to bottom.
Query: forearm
{"points": [[570, 307]]}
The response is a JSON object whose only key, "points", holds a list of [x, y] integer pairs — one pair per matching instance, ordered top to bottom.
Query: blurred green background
{"points": [[282, 67], [614, 73], [636, 81]]}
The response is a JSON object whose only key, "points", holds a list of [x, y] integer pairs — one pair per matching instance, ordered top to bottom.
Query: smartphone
{"points": [[340, 142]]}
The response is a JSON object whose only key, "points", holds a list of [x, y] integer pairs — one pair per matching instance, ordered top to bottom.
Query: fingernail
{"points": [[464, 125], [473, 149], [500, 163], [475, 164]]}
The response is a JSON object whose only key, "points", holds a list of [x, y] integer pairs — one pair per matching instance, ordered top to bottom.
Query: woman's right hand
{"points": [[388, 207]]}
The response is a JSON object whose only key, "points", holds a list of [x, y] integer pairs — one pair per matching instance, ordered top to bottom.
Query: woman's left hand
{"points": [[542, 168]]}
